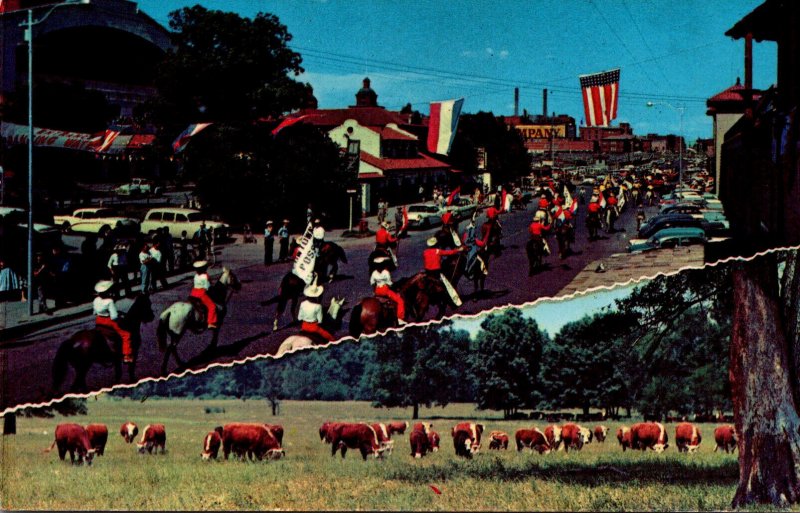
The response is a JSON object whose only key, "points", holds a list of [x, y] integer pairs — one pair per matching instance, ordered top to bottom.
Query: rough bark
{"points": [[764, 404]]}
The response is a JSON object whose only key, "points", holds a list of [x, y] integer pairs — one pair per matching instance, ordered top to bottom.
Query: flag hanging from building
{"points": [[600, 97], [289, 122], [443, 124], [105, 140], [182, 140], [453, 195]]}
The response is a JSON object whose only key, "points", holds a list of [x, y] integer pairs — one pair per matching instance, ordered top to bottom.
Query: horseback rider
{"points": [[612, 212], [537, 229], [491, 231], [318, 235], [447, 236], [385, 241], [474, 246], [432, 259], [381, 279], [200, 287], [105, 312], [310, 313]]}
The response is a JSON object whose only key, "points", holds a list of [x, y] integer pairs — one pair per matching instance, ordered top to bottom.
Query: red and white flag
{"points": [[600, 97], [289, 122], [442, 125], [108, 139], [182, 140], [453, 195], [405, 220]]}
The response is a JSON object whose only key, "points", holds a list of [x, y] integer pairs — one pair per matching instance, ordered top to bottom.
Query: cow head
{"points": [[129, 432], [556, 434], [586, 435], [433, 439], [143, 446], [387, 446], [660, 447], [692, 448], [275, 454], [89, 456]]}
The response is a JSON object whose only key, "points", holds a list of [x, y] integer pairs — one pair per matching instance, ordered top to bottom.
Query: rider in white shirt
{"points": [[106, 314]]}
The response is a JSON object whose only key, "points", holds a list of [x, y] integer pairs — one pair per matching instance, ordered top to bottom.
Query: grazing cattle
{"points": [[422, 426], [397, 427], [129, 430], [323, 431], [277, 432], [587, 433], [600, 433], [553, 435], [649, 435], [98, 436], [359, 436], [384, 436], [572, 436], [725, 436], [153, 437], [624, 437], [687, 437], [73, 438], [467, 438], [533, 439], [433, 440], [498, 440], [253, 441], [211, 444]]}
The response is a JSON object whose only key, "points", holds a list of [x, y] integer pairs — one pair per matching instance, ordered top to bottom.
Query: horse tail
{"points": [[341, 254], [355, 321], [162, 329], [60, 363]]}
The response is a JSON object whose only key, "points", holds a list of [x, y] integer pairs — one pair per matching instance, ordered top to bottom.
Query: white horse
{"points": [[296, 342]]}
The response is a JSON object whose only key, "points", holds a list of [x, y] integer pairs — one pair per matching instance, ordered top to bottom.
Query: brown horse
{"points": [[290, 289], [372, 315], [103, 346]]}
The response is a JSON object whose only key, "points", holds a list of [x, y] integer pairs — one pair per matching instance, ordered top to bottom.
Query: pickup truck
{"points": [[138, 187]]}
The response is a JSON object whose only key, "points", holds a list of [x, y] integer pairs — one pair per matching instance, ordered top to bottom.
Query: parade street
{"points": [[247, 331]]}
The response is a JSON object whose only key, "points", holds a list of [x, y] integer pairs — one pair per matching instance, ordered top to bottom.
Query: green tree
{"points": [[506, 362]]}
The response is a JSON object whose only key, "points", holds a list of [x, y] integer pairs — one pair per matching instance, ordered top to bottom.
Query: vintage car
{"points": [[138, 187], [462, 208], [424, 216], [181, 219], [95, 220], [669, 238]]}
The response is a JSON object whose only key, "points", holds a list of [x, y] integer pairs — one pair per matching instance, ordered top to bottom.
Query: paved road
{"points": [[248, 328]]}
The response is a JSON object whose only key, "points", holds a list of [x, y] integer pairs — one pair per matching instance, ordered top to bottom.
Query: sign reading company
{"points": [[541, 131]]}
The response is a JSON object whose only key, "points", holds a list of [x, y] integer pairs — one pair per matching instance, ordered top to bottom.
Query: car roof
{"points": [[92, 209], [175, 209], [679, 231]]}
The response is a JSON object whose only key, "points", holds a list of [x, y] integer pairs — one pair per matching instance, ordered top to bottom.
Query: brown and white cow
{"points": [[422, 426], [398, 427], [324, 429], [129, 430], [277, 432], [384, 433], [587, 433], [600, 433], [553, 435], [649, 435], [98, 436], [359, 436], [573, 436], [153, 437], [624, 437], [687, 437], [725, 437], [73, 438], [467, 438], [533, 439], [248, 440], [433, 440], [498, 440], [420, 441], [211, 444]]}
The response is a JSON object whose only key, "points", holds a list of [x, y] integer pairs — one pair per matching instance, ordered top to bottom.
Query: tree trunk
{"points": [[764, 406], [415, 415], [10, 424]]}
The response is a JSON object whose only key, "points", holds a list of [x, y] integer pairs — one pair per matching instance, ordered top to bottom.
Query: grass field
{"points": [[601, 477]]}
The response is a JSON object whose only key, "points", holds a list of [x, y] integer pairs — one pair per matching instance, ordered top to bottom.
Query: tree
{"points": [[506, 363], [271, 386]]}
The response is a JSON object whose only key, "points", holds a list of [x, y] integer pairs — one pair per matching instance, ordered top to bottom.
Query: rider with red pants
{"points": [[383, 239], [381, 279], [200, 291], [310, 313], [106, 315]]}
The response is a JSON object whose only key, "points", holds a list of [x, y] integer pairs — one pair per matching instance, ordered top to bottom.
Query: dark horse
{"points": [[593, 224], [565, 235], [535, 250], [327, 263], [454, 267], [291, 289], [421, 292], [191, 315], [373, 315], [101, 345]]}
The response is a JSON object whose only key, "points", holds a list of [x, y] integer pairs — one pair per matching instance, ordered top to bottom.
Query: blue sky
{"points": [[421, 51]]}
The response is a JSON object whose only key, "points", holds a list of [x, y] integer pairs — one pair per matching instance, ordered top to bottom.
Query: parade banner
{"points": [[14, 134], [306, 258], [451, 291]]}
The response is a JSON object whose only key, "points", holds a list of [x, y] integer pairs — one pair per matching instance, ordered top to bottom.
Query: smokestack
{"points": [[516, 101], [544, 103]]}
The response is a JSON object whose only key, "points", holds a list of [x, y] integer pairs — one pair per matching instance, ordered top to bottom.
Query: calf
{"points": [[397, 427], [129, 430], [600, 433], [553, 435], [649, 435], [98, 436], [360, 436], [572, 436], [153, 437], [624, 437], [687, 437], [725, 437], [73, 438], [467, 438], [533, 439], [433, 440], [498, 440], [253, 441], [211, 444]]}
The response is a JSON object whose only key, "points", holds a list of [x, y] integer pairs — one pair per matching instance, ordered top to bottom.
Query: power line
{"points": [[644, 40]]}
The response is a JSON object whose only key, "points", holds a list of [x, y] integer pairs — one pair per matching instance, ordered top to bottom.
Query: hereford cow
{"points": [[422, 426], [398, 427], [324, 429], [129, 432], [277, 432], [384, 433], [600, 433], [587, 434], [553, 435], [649, 435], [98, 436], [359, 436], [572, 436], [725, 436], [153, 437], [624, 437], [687, 437], [73, 438], [467, 438], [533, 439], [420, 440], [433, 440], [498, 440], [250, 441], [211, 444]]}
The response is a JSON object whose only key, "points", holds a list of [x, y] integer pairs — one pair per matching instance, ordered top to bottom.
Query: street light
{"points": [[29, 39], [680, 110]]}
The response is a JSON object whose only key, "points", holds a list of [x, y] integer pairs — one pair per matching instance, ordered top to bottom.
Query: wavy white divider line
{"points": [[494, 309]]}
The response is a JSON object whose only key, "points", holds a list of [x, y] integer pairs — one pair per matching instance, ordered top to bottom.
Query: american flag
{"points": [[600, 97]]}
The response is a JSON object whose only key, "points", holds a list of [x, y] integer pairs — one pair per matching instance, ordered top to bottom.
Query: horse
{"points": [[593, 224], [565, 235], [535, 251], [327, 263], [454, 267], [290, 289], [421, 292], [191, 315], [373, 315], [332, 322], [102, 345]]}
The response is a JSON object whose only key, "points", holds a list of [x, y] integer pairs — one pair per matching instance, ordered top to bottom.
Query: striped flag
{"points": [[600, 97], [289, 122], [443, 124], [182, 140], [105, 141], [453, 195]]}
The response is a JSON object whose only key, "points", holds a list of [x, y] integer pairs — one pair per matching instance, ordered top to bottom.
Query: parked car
{"points": [[138, 187], [462, 208], [682, 208], [424, 216], [180, 219], [95, 220], [675, 220], [45, 236], [669, 238]]}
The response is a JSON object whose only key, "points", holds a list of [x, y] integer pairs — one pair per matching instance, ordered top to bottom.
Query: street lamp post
{"points": [[29, 40], [680, 110]]}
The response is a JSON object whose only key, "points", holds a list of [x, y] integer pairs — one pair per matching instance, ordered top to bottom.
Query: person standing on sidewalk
{"points": [[283, 241], [269, 242], [118, 266], [157, 266], [144, 267], [43, 279], [105, 312]]}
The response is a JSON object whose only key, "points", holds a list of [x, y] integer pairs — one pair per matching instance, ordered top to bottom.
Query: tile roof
{"points": [[366, 116], [420, 162]]}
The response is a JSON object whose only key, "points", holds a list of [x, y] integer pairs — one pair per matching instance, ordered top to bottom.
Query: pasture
{"points": [[600, 477]]}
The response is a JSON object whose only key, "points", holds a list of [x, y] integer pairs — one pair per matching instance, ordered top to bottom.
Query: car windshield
{"points": [[421, 208], [105, 212], [195, 216]]}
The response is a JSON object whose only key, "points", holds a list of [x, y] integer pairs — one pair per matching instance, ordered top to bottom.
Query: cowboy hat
{"points": [[285, 220], [269, 223], [385, 224], [432, 241], [381, 259], [200, 264], [103, 286], [313, 290]]}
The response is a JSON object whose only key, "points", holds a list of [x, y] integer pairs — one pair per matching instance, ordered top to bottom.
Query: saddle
{"points": [[388, 306], [201, 314], [110, 335]]}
